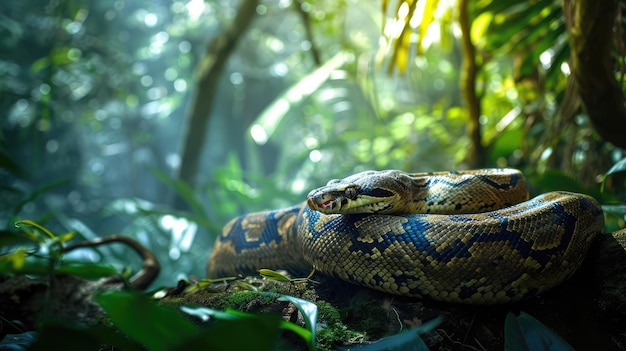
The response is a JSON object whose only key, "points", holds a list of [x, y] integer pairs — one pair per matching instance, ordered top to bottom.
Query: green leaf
{"points": [[502, 6], [428, 16], [479, 26], [538, 31], [501, 32], [546, 42], [402, 43], [561, 54], [60, 56], [40, 64], [506, 144], [614, 182], [27, 222], [66, 237], [10, 239], [16, 259], [18, 262], [31, 265], [87, 270], [273, 275], [245, 286], [309, 311], [205, 313], [154, 326], [236, 330], [526, 333], [57, 335], [513, 337], [409, 340], [18, 342]]}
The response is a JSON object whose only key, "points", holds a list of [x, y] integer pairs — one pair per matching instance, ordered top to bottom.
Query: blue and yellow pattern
{"points": [[494, 256]]}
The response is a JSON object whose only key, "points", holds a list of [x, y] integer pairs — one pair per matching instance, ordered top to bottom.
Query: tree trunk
{"points": [[591, 26], [209, 71], [476, 156]]}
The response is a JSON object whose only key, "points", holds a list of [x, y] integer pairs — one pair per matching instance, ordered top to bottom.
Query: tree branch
{"points": [[306, 22], [209, 70]]}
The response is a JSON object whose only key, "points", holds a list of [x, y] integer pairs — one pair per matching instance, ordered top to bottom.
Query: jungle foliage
{"points": [[163, 120]]}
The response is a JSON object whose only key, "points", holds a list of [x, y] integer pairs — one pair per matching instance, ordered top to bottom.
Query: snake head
{"points": [[365, 192]]}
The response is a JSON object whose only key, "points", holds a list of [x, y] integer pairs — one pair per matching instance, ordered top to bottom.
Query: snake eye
{"points": [[350, 193]]}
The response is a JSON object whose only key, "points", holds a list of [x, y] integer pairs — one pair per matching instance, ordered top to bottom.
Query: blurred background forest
{"points": [[163, 119]]}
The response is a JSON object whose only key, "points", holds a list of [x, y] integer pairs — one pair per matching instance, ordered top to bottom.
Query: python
{"points": [[469, 237]]}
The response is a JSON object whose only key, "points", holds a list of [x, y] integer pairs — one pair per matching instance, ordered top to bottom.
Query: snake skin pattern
{"points": [[466, 237]]}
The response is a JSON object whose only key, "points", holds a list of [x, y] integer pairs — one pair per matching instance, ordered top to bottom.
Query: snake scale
{"points": [[469, 237]]}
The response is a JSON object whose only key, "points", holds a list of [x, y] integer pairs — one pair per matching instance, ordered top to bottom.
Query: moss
{"points": [[239, 300], [328, 313], [369, 316], [335, 327], [331, 330], [332, 336]]}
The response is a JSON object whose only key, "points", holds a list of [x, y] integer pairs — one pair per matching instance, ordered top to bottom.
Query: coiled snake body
{"points": [[468, 237]]}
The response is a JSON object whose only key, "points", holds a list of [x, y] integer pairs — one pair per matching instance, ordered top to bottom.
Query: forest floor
{"points": [[588, 311]]}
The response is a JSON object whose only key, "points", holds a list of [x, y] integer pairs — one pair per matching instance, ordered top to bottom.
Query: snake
{"points": [[469, 237]]}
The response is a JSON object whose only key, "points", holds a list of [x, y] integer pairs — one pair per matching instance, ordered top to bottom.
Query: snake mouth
{"points": [[324, 203], [331, 204]]}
